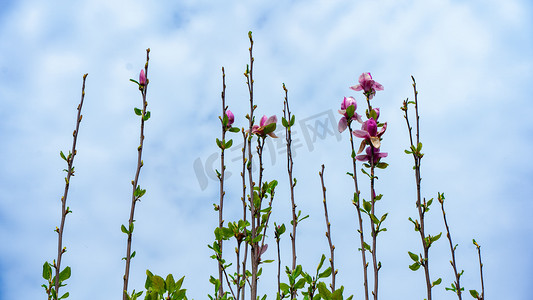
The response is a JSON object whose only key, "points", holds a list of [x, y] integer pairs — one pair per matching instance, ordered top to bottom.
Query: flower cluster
{"points": [[266, 126], [369, 132]]}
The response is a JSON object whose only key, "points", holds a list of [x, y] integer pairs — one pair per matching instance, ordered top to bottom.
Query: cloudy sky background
{"points": [[473, 65]]}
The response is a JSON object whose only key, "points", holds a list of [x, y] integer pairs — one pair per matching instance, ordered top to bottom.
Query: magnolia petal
{"points": [[378, 86], [356, 87], [272, 119], [263, 120], [343, 124], [382, 131], [271, 134], [361, 134], [375, 141], [362, 146], [362, 157]]}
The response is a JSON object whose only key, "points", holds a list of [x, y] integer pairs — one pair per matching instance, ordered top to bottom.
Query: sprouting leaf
{"points": [[138, 111], [147, 116], [293, 119], [284, 122], [234, 129], [228, 144], [63, 156], [123, 229], [413, 256], [415, 266], [47, 271], [325, 274], [64, 275], [436, 282], [170, 283], [474, 294], [65, 295]]}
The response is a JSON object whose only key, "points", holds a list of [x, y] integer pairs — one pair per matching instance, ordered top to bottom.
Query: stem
{"points": [[288, 137], [417, 158], [221, 179], [134, 199], [244, 206], [357, 206], [64, 208], [372, 224], [328, 232], [452, 248], [254, 250], [480, 270]]}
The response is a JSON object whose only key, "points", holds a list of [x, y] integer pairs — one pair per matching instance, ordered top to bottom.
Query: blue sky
{"points": [[473, 64]]}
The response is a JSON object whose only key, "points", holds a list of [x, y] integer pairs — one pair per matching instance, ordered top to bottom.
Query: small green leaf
{"points": [[138, 111], [350, 111], [147, 116], [293, 119], [284, 122], [234, 129], [228, 144], [63, 156], [382, 165], [367, 205], [123, 229], [435, 238], [133, 254], [413, 256], [322, 259], [414, 266], [47, 271], [325, 274], [64, 275], [436, 282], [158, 284], [300, 284], [323, 290], [474, 294], [65, 295]]}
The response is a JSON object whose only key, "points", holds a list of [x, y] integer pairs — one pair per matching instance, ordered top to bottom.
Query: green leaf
{"points": [[138, 111], [350, 111], [147, 116], [293, 119], [284, 122], [269, 128], [234, 129], [219, 144], [228, 144], [63, 156], [382, 165], [367, 205], [123, 229], [435, 238], [133, 254], [413, 256], [322, 259], [267, 261], [414, 266], [47, 271], [325, 274], [64, 275], [148, 282], [436, 282], [170, 283], [158, 284], [300, 284], [284, 288], [323, 290], [337, 294], [474, 294], [65, 295]]}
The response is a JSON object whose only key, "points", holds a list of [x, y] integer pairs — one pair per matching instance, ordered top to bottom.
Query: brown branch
{"points": [[221, 179], [135, 198], [64, 209], [328, 232], [452, 248]]}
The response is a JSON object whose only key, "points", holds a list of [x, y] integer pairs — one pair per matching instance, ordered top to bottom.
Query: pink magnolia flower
{"points": [[142, 78], [368, 85], [231, 118], [343, 122], [266, 126], [369, 132], [369, 157]]}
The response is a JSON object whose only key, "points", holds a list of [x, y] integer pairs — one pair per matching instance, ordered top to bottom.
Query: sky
{"points": [[473, 64]]}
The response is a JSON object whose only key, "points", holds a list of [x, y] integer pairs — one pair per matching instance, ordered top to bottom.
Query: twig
{"points": [[221, 178], [135, 194], [64, 208], [328, 232], [452, 249]]}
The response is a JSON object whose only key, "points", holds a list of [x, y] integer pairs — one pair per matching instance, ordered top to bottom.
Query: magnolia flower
{"points": [[142, 78], [367, 84], [231, 118], [343, 122], [266, 126], [369, 132], [376, 156]]}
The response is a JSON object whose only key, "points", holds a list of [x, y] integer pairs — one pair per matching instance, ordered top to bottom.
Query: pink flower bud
{"points": [[142, 78], [231, 118]]}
